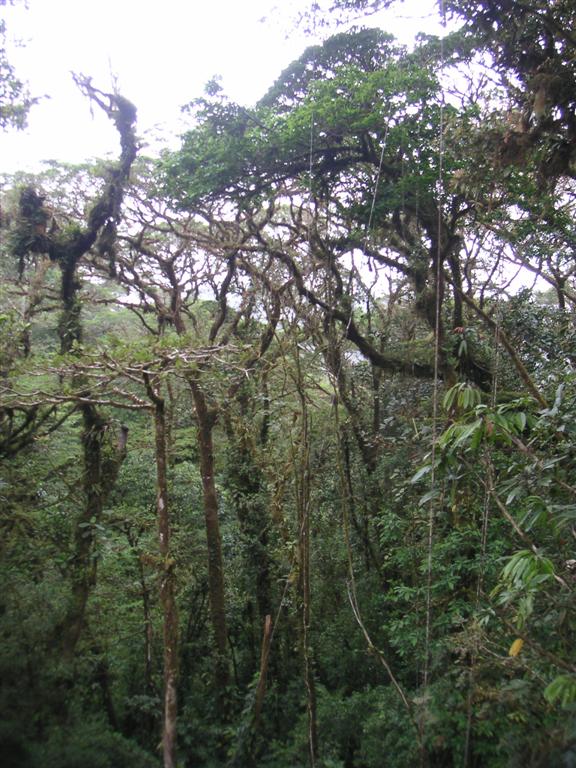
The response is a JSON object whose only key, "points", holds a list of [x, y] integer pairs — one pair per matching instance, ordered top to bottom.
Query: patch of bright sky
{"points": [[160, 54]]}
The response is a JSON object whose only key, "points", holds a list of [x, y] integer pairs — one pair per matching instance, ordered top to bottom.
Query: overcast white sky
{"points": [[162, 54]]}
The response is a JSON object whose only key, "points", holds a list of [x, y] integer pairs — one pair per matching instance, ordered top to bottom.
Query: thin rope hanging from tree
{"points": [[435, 396], [483, 543]]}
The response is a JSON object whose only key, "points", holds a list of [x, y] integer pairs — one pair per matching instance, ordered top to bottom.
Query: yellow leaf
{"points": [[516, 647]]}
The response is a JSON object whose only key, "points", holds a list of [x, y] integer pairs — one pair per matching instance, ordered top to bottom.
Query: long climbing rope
{"points": [[378, 175], [438, 275], [437, 334], [436, 389], [302, 482], [483, 542], [351, 585]]}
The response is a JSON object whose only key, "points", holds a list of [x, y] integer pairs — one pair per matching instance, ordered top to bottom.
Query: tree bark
{"points": [[206, 418], [98, 480], [303, 489], [251, 506], [167, 582]]}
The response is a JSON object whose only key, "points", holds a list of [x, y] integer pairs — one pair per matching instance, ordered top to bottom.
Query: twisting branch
{"points": [[506, 343]]}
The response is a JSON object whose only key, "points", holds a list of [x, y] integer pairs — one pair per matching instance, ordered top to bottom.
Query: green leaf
{"points": [[422, 472], [433, 494], [561, 690]]}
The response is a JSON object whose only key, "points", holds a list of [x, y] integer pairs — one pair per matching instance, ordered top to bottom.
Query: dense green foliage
{"points": [[286, 454]]}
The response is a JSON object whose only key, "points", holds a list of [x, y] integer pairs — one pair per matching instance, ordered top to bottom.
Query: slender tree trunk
{"points": [[206, 420], [99, 476], [98, 481], [303, 488], [252, 509], [84, 563], [167, 587], [309, 681]]}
